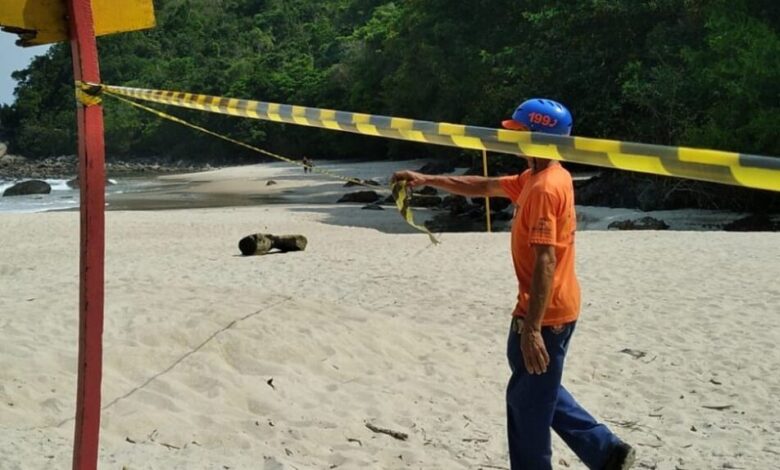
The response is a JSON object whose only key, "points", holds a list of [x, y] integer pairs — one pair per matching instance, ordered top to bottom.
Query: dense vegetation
{"points": [[690, 72]]}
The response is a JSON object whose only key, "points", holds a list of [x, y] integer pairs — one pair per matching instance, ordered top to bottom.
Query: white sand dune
{"points": [[213, 360]]}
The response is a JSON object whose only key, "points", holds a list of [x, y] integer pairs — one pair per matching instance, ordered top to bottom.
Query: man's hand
{"points": [[412, 178], [534, 352]]}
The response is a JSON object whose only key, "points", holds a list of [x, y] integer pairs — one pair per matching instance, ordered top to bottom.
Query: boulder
{"points": [[8, 159], [437, 168], [270, 183], [349, 184], [28, 187], [611, 189], [428, 191], [360, 196], [421, 200], [496, 203], [456, 204], [501, 216], [645, 223], [753, 223]]}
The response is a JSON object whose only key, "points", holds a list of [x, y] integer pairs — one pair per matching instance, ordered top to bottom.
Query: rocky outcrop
{"points": [[16, 167], [437, 168], [349, 184], [28, 187], [613, 188], [360, 196], [423, 200], [497, 204], [645, 223], [753, 223]]}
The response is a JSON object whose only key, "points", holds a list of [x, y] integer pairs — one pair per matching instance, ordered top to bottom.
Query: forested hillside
{"points": [[689, 72]]}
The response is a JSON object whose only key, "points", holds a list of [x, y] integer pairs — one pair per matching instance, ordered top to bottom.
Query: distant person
{"points": [[306, 164], [548, 301]]}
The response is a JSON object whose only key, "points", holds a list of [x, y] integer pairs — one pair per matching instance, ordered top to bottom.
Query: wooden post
{"points": [[92, 182], [487, 199]]}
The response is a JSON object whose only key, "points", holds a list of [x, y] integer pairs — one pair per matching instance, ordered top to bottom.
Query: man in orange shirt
{"points": [[548, 302]]}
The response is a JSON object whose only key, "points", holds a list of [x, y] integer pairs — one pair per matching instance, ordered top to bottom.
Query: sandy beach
{"points": [[217, 361]]}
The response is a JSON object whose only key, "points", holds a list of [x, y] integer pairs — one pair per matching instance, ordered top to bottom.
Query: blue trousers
{"points": [[536, 403]]}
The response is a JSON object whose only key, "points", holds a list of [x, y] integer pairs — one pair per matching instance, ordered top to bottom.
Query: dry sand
{"points": [[215, 361]]}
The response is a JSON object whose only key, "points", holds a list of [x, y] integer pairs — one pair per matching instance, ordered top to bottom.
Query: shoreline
{"points": [[250, 185]]}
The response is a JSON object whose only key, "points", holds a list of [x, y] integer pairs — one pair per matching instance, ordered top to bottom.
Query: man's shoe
{"points": [[621, 457]]}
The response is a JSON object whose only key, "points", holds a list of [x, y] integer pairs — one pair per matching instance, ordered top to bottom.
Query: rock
{"points": [[8, 159], [499, 165], [437, 168], [270, 183], [349, 184], [28, 187], [609, 189], [428, 191], [360, 196], [651, 197], [421, 200], [496, 203], [456, 204], [373, 207], [501, 216], [645, 223], [753, 223]]}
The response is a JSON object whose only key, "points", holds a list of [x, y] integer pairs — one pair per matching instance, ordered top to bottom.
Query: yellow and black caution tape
{"points": [[87, 94], [737, 169], [398, 189], [403, 201]]}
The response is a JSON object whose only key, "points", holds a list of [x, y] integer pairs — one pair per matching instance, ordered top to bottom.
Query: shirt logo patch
{"points": [[542, 228]]}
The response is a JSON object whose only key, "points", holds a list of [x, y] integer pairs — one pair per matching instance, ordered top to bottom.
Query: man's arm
{"points": [[471, 186], [541, 285], [532, 344]]}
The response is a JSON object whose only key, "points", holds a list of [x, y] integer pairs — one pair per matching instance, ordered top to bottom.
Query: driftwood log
{"points": [[262, 243]]}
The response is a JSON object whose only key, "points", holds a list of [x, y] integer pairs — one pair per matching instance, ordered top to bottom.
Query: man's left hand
{"points": [[534, 352]]}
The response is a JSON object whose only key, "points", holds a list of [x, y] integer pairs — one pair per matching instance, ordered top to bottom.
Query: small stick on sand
{"points": [[717, 407], [396, 434]]}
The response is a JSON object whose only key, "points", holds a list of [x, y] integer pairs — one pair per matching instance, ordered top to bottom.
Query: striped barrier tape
{"points": [[88, 95], [737, 169], [398, 189], [403, 200]]}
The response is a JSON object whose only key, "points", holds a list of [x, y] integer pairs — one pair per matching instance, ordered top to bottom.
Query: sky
{"points": [[13, 57]]}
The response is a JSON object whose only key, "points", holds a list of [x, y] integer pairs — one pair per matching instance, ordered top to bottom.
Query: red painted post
{"points": [[92, 183]]}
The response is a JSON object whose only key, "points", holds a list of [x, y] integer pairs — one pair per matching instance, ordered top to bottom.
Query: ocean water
{"points": [[63, 197]]}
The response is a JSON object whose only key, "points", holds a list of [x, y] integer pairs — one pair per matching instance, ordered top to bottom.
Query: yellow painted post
{"points": [[487, 199]]}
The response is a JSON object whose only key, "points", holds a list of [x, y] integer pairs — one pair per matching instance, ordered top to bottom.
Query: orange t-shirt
{"points": [[544, 215]]}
